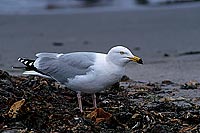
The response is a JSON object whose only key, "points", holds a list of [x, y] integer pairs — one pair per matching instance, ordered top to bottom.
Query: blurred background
{"points": [[75, 6], [165, 33]]}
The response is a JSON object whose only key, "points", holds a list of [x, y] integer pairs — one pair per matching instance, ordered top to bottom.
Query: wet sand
{"points": [[158, 36]]}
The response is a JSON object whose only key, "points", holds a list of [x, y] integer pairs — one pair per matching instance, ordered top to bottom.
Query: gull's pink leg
{"points": [[94, 100], [79, 101]]}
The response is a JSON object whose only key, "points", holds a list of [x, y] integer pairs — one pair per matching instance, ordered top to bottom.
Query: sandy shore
{"points": [[158, 36]]}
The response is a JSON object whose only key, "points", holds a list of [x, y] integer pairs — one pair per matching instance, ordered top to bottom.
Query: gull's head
{"points": [[120, 55]]}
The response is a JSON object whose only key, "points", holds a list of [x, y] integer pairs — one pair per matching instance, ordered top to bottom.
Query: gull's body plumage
{"points": [[87, 72]]}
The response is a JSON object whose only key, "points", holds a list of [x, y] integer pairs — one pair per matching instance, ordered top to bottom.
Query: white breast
{"points": [[104, 74]]}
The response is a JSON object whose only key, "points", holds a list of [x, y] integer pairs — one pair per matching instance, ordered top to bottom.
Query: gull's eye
{"points": [[121, 52]]}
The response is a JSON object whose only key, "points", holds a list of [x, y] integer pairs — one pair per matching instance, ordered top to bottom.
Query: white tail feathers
{"points": [[35, 73]]}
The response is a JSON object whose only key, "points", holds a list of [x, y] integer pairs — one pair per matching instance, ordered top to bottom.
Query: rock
{"points": [[193, 84]]}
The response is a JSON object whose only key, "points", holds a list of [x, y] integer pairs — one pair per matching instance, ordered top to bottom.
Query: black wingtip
{"points": [[20, 59], [27, 62], [29, 65]]}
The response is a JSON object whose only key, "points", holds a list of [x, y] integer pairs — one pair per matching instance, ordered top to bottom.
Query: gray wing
{"points": [[52, 55], [64, 66]]}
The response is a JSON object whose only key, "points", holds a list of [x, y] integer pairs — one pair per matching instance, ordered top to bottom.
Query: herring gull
{"points": [[87, 72]]}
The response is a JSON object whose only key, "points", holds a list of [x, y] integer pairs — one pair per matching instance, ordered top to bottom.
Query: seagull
{"points": [[83, 72]]}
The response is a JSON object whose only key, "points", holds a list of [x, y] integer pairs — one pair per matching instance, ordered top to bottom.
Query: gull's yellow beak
{"points": [[136, 59]]}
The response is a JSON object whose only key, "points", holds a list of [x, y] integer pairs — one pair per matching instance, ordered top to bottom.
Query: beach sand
{"points": [[159, 36]]}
